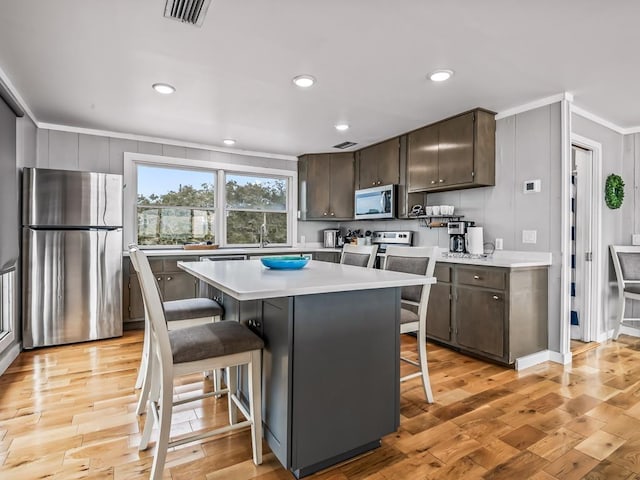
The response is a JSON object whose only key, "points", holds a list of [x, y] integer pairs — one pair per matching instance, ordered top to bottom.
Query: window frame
{"points": [[220, 169], [286, 211], [8, 310]]}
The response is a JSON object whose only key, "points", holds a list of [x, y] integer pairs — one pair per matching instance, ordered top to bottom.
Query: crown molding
{"points": [[6, 84], [543, 102], [601, 121]]}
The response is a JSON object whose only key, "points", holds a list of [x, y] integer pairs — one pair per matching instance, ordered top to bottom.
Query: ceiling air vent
{"points": [[187, 11], [344, 145]]}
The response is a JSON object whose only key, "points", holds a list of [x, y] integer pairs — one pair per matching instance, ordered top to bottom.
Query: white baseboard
{"points": [[634, 332], [10, 355], [542, 356], [561, 358], [532, 359]]}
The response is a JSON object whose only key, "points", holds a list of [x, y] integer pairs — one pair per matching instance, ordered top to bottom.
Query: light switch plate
{"points": [[529, 236], [635, 239], [499, 244]]}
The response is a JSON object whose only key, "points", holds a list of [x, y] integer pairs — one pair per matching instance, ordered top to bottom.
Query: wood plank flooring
{"points": [[68, 413]]}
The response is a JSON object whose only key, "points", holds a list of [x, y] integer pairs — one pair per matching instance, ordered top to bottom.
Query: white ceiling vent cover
{"points": [[187, 11]]}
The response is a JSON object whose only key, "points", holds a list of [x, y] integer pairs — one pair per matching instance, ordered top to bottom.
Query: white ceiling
{"points": [[91, 63]]}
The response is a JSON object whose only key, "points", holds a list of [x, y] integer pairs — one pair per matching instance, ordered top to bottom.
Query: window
{"points": [[178, 201], [256, 209], [7, 309]]}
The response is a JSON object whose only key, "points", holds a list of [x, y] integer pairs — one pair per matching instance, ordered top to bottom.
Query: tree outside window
{"points": [[254, 204], [175, 206]]}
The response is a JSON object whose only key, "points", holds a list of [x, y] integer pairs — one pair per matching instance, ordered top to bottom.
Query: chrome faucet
{"points": [[263, 235]]}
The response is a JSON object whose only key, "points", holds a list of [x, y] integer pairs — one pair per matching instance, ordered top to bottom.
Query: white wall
{"points": [[528, 147], [25, 157]]}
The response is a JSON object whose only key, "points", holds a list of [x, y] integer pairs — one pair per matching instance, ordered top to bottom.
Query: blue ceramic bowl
{"points": [[284, 263]]}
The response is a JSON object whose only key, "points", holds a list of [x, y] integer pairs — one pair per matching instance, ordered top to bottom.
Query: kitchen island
{"points": [[331, 360]]}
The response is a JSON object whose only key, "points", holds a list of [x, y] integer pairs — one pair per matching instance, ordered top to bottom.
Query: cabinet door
{"points": [[455, 158], [422, 159], [389, 162], [380, 164], [367, 168], [318, 185], [342, 186], [331, 257], [178, 286], [136, 303], [439, 312], [480, 317]]}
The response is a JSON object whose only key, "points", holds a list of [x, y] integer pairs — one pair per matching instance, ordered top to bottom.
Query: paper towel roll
{"points": [[475, 241]]}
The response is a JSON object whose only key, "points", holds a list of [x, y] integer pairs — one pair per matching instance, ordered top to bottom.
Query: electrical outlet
{"points": [[529, 236], [303, 239], [635, 239], [499, 244]]}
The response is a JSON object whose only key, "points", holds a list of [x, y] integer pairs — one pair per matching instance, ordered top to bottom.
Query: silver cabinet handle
{"points": [[441, 180], [379, 182], [432, 182], [373, 183], [325, 214], [332, 214], [476, 277], [159, 278], [168, 278], [496, 297]]}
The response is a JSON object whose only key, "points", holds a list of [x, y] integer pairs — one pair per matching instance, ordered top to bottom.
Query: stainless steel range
{"points": [[384, 239]]}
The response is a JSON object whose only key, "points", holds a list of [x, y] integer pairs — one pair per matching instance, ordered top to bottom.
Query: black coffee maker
{"points": [[456, 231]]}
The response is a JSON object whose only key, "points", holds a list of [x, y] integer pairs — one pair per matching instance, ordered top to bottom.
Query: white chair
{"points": [[359, 255], [626, 263], [179, 314], [413, 315], [190, 350]]}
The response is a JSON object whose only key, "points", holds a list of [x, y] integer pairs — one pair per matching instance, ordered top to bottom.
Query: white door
{"points": [[582, 206]]}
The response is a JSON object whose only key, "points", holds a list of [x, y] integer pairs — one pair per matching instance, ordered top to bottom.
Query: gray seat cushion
{"points": [[357, 259], [630, 265], [417, 266], [635, 289], [191, 308], [407, 316], [212, 340]]}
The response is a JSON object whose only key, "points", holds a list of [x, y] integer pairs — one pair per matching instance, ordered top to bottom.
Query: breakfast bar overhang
{"points": [[331, 373]]}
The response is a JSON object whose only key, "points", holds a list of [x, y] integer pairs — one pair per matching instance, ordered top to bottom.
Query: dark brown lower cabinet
{"points": [[439, 312], [496, 313], [480, 322]]}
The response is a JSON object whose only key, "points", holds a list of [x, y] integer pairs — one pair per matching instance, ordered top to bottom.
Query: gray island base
{"points": [[331, 362]]}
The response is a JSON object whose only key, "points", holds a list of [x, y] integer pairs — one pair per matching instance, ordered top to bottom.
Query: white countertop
{"points": [[179, 252], [500, 258], [504, 258], [250, 280]]}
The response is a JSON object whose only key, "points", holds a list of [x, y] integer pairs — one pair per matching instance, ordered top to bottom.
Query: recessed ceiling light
{"points": [[440, 75], [304, 81], [163, 88], [341, 127], [229, 141]]}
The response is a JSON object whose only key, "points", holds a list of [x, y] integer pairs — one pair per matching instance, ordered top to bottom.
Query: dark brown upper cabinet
{"points": [[456, 153], [378, 164], [326, 186]]}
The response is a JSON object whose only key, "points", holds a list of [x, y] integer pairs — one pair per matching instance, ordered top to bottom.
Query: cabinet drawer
{"points": [[171, 264], [442, 273], [482, 277]]}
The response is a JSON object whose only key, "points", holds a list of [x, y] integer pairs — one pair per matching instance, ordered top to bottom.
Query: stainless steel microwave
{"points": [[376, 202]]}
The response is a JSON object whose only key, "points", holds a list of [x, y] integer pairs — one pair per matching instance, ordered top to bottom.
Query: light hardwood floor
{"points": [[68, 413]]}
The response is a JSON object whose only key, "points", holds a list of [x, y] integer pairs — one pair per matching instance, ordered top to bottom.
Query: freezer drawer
{"points": [[61, 198], [72, 286]]}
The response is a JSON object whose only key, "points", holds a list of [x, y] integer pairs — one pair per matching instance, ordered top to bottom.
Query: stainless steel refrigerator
{"points": [[72, 256]]}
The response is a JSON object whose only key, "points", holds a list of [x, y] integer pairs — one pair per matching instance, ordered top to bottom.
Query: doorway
{"points": [[585, 253]]}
